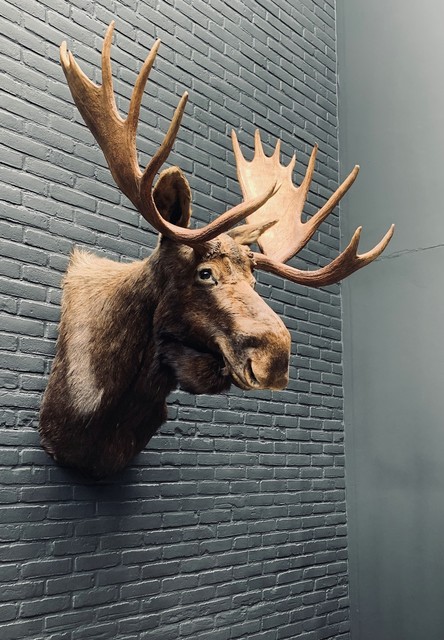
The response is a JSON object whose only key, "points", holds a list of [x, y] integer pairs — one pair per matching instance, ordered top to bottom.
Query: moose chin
{"points": [[186, 316]]}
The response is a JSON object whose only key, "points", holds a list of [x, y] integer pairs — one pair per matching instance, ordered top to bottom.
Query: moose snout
{"points": [[256, 350], [260, 360], [268, 369], [268, 373]]}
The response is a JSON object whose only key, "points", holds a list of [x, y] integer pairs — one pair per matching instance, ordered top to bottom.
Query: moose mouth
{"points": [[197, 368], [204, 369], [243, 378]]}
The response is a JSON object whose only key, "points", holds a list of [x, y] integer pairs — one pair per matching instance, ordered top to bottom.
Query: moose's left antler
{"points": [[117, 139], [289, 235]]}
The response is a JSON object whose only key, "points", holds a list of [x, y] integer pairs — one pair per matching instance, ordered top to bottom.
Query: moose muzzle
{"points": [[259, 359]]}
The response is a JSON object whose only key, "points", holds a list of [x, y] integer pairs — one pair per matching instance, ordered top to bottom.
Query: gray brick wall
{"points": [[231, 524]]}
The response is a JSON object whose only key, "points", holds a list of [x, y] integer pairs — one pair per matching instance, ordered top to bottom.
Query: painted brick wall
{"points": [[232, 523]]}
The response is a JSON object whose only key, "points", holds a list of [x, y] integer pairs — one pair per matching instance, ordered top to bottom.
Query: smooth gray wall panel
{"points": [[392, 123]]}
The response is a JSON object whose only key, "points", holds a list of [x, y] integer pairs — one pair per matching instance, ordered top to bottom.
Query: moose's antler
{"points": [[117, 139], [289, 235]]}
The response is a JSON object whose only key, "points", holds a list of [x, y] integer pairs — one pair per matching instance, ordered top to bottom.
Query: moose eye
{"points": [[206, 275]]}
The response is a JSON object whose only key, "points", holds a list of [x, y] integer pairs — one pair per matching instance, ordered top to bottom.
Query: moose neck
{"points": [[106, 394]]}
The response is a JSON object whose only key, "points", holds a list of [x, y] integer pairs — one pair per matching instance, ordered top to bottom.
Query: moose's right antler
{"points": [[117, 139], [290, 234]]}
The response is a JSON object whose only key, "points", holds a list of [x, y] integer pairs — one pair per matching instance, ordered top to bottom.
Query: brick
{"points": [[46, 568], [95, 597], [34, 608], [68, 620]]}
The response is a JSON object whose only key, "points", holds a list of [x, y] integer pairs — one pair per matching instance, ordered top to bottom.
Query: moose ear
{"points": [[172, 195], [249, 233]]}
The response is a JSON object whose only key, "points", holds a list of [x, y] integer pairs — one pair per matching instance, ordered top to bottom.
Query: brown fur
{"points": [[130, 333]]}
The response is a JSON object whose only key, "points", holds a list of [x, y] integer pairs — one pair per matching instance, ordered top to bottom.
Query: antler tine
{"points": [[107, 75], [139, 87], [117, 139], [258, 148], [277, 149], [163, 151], [306, 182], [313, 223], [344, 265]]}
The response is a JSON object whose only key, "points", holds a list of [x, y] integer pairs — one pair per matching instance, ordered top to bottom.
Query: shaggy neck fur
{"points": [[106, 394]]}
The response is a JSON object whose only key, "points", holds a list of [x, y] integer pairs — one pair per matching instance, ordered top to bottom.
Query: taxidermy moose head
{"points": [[188, 315]]}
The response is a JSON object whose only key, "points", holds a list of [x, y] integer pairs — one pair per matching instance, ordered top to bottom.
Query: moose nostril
{"points": [[250, 372]]}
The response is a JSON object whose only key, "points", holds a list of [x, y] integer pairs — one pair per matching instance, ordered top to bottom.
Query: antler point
{"points": [[64, 55], [291, 164], [388, 236], [355, 239]]}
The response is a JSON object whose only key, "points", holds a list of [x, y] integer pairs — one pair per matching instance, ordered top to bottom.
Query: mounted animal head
{"points": [[187, 315]]}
